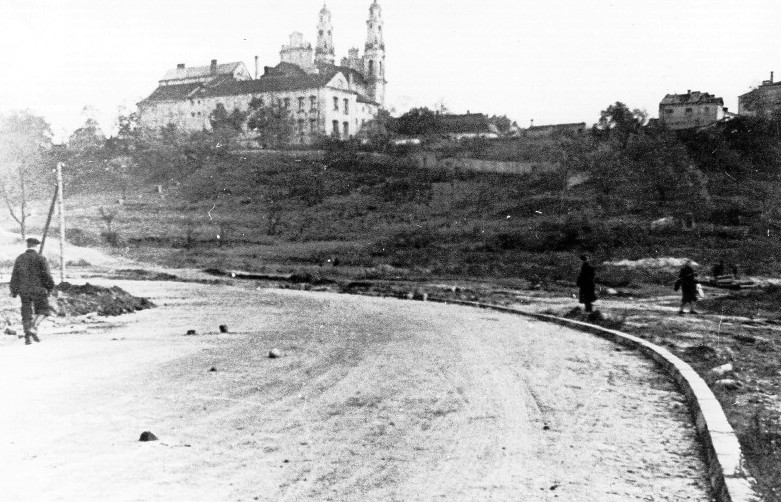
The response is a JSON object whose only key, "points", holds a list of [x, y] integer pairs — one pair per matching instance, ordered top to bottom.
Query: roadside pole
{"points": [[49, 217], [62, 221]]}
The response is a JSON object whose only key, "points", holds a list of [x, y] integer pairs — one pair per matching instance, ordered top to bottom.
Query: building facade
{"points": [[320, 98], [764, 100], [691, 110]]}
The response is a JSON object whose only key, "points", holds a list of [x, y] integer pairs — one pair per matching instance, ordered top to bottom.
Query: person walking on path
{"points": [[32, 281], [687, 282], [586, 284]]}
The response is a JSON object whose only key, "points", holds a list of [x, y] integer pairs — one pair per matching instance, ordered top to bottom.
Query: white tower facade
{"points": [[324, 51], [374, 55]]}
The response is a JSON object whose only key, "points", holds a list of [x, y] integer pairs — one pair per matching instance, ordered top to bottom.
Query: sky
{"points": [[550, 61]]}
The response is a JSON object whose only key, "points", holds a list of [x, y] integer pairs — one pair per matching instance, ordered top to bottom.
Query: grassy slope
{"points": [[266, 212]]}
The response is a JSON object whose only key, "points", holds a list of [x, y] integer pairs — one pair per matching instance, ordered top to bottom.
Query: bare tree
{"points": [[25, 140]]}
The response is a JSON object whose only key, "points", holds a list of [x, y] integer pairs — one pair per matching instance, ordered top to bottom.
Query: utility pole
{"points": [[62, 221]]}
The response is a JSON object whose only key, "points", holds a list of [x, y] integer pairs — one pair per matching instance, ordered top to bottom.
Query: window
{"points": [[371, 67], [381, 68], [287, 103], [312, 103], [301, 104], [336, 104], [346, 106], [688, 110], [669, 111], [193, 114], [300, 126], [312, 126], [346, 127], [335, 131]]}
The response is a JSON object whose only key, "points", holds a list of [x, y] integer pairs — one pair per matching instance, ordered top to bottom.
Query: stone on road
{"points": [[375, 400]]}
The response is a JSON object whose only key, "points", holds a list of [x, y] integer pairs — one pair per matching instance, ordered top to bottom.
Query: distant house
{"points": [[765, 99], [691, 110], [466, 126], [544, 131]]}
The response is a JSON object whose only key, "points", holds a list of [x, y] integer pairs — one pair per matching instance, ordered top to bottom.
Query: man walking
{"points": [[32, 282], [687, 283], [586, 284]]}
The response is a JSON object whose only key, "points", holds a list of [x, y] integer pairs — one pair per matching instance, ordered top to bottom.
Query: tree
{"points": [[233, 122], [417, 122], [502, 123], [617, 123], [272, 124], [87, 137], [25, 143], [663, 175]]}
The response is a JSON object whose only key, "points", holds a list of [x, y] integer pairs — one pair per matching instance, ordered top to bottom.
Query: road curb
{"points": [[724, 459]]}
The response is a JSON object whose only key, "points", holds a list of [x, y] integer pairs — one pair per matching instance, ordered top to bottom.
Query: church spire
{"points": [[324, 52], [374, 56]]}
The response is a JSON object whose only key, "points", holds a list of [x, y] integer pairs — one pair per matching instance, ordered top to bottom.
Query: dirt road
{"points": [[373, 399]]}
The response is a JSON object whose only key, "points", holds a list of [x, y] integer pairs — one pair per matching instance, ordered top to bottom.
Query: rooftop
{"points": [[690, 98]]}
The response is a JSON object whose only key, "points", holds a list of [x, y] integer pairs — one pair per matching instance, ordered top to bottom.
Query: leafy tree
{"points": [[220, 119], [417, 122], [502, 123], [617, 123], [272, 124], [87, 137], [25, 145], [663, 175]]}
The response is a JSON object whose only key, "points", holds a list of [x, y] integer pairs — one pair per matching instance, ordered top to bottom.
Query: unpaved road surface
{"points": [[373, 400]]}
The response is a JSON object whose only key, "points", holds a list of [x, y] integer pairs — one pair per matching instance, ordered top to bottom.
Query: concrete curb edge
{"points": [[728, 477]]}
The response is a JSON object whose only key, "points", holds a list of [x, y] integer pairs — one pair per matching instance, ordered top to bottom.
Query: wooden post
{"points": [[49, 218], [62, 221]]}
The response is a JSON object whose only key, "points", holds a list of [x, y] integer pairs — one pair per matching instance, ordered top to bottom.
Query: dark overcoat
{"points": [[31, 275], [687, 281], [586, 284]]}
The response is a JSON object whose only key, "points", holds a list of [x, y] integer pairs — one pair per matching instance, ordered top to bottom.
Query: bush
{"points": [[111, 238]]}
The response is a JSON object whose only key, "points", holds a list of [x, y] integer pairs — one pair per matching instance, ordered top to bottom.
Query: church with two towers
{"points": [[320, 97]]}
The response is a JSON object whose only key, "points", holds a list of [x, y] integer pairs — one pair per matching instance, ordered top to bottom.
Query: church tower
{"points": [[324, 52], [374, 56]]}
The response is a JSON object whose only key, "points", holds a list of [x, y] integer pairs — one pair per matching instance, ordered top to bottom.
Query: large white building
{"points": [[321, 98]]}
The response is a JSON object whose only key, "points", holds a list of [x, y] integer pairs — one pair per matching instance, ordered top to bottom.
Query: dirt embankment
{"points": [[75, 300]]}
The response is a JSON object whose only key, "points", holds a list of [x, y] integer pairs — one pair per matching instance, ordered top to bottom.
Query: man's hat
{"points": [[32, 241]]}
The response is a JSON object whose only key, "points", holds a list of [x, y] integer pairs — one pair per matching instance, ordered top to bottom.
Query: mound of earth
{"points": [[144, 275], [75, 300]]}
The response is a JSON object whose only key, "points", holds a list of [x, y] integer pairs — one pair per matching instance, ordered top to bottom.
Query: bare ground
{"points": [[373, 399]]}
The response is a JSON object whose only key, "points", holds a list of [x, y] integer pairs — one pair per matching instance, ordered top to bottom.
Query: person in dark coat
{"points": [[687, 282], [33, 283], [586, 284]]}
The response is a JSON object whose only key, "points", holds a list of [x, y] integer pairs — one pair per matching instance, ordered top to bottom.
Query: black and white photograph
{"points": [[390, 250]]}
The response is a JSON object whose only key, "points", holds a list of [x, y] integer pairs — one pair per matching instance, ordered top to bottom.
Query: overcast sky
{"points": [[551, 61]]}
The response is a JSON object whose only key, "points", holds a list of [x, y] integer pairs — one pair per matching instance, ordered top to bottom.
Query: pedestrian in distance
{"points": [[718, 270], [32, 282], [687, 283], [586, 284]]}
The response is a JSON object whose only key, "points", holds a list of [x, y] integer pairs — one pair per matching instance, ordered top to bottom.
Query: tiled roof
{"points": [[332, 70], [200, 71], [283, 77], [173, 92], [691, 98], [367, 100], [557, 126]]}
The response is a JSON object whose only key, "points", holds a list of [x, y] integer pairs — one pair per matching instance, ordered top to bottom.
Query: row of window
{"points": [[286, 102], [688, 110]]}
